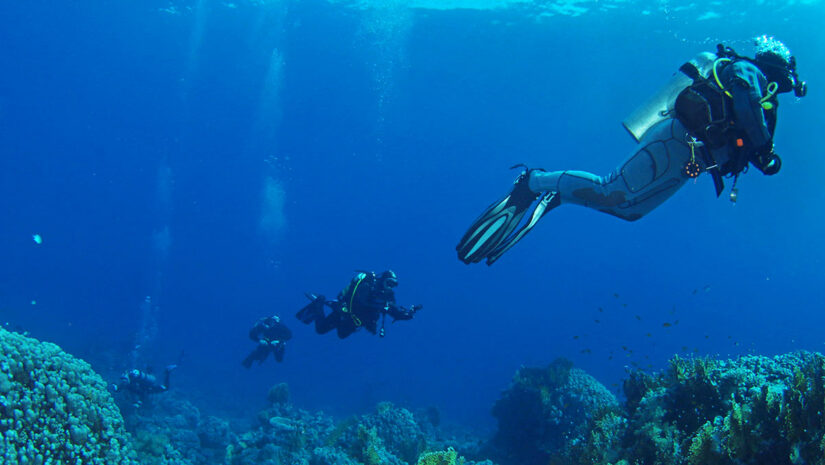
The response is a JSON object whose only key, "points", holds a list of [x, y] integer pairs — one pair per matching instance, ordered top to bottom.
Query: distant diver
{"points": [[716, 115], [367, 298], [271, 336], [141, 384]]}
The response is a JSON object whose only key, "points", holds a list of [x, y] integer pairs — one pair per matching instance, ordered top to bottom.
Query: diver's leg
{"points": [[646, 179], [328, 323], [346, 328], [279, 352], [257, 355], [247, 362]]}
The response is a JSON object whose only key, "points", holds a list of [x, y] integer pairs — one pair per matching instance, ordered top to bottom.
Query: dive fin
{"points": [[548, 201], [494, 232], [313, 310]]}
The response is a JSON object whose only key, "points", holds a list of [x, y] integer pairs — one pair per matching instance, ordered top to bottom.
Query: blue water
{"points": [[283, 145]]}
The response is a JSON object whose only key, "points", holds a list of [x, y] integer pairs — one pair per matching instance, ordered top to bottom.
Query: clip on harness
{"points": [[692, 169], [348, 309], [355, 319]]}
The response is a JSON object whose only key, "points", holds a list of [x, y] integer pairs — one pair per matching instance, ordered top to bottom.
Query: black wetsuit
{"points": [[747, 86], [362, 303], [270, 338], [142, 384]]}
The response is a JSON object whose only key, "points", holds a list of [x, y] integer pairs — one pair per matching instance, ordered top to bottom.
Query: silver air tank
{"points": [[660, 106]]}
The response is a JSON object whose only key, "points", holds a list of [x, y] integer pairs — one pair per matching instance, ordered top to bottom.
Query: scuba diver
{"points": [[716, 115], [367, 298], [271, 336], [143, 383]]}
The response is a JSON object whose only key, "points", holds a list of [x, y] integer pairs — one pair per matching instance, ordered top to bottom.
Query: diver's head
{"points": [[775, 61], [388, 280], [271, 321]]}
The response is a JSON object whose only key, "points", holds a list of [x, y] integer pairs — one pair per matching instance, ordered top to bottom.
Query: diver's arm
{"points": [[744, 87], [401, 313]]}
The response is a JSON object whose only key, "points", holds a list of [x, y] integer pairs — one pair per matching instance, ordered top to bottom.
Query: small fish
{"points": [[37, 239], [707, 288], [695, 291], [615, 295], [34, 302], [624, 305], [601, 310], [638, 318], [597, 321], [676, 322], [666, 324], [649, 335], [575, 337], [707, 337], [624, 348], [684, 348], [586, 351], [610, 357]]}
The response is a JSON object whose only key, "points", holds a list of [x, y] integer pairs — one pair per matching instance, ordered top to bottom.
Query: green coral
{"points": [[55, 409], [602, 443], [369, 446], [704, 447], [446, 457]]}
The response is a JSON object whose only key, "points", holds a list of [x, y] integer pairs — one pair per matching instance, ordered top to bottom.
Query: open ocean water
{"points": [[172, 171]]}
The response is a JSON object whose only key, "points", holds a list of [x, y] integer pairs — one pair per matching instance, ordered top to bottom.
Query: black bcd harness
{"points": [[706, 111]]}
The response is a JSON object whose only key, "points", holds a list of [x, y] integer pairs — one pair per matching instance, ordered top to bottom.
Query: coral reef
{"points": [[55, 409], [752, 410], [547, 411], [699, 411], [170, 430]]}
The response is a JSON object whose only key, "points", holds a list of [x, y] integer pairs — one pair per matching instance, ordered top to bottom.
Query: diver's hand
{"points": [[767, 161], [773, 166], [415, 308], [263, 342]]}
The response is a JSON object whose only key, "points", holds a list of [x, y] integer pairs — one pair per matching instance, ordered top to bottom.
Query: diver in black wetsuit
{"points": [[716, 115], [367, 298], [271, 336], [141, 384]]}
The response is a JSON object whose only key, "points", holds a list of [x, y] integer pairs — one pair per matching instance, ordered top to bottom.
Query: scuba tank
{"points": [[661, 105]]}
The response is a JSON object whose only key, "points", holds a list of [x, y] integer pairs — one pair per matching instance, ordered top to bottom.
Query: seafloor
{"points": [[54, 409]]}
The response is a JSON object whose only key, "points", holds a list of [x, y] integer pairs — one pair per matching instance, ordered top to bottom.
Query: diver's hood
{"points": [[777, 70], [782, 72]]}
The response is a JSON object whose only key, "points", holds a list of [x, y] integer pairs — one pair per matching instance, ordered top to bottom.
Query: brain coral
{"points": [[55, 409]]}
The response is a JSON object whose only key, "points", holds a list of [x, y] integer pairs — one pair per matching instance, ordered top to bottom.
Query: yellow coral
{"points": [[446, 457]]}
